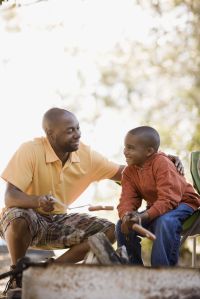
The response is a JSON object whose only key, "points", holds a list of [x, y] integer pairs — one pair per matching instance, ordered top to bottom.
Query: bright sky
{"points": [[34, 66], [37, 69]]}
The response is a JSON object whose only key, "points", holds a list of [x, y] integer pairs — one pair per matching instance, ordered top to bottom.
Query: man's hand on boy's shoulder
{"points": [[177, 162]]}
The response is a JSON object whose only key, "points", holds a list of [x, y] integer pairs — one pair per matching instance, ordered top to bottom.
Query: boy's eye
{"points": [[130, 147]]}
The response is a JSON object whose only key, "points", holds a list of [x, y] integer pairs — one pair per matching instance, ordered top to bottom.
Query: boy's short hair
{"points": [[149, 136]]}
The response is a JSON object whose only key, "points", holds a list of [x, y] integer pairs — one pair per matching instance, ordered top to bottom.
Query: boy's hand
{"points": [[46, 203], [128, 220]]}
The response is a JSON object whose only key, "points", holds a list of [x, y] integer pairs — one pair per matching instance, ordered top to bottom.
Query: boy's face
{"points": [[135, 151]]}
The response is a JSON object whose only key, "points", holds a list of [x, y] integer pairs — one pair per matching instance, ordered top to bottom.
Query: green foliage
{"points": [[159, 78]]}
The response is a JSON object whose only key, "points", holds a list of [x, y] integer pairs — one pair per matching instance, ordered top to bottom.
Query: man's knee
{"points": [[18, 226]]}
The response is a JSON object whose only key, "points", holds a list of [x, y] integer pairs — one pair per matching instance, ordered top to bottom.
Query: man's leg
{"points": [[17, 228], [167, 228], [18, 238], [132, 242], [77, 252]]}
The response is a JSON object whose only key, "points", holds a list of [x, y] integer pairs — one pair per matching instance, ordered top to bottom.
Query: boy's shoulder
{"points": [[161, 156], [161, 159]]}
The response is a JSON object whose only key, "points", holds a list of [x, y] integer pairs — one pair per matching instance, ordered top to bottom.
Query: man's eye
{"points": [[69, 131]]}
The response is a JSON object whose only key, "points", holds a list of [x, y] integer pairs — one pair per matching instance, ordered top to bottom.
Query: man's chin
{"points": [[74, 147]]}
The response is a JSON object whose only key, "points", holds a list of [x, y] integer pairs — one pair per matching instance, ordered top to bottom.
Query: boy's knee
{"points": [[166, 223]]}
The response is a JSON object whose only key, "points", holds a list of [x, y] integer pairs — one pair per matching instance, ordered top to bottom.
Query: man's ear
{"points": [[49, 133], [150, 151]]}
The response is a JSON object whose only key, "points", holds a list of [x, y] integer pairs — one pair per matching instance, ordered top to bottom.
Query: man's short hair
{"points": [[53, 116]]}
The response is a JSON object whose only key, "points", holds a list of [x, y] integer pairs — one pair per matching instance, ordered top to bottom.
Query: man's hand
{"points": [[177, 162], [46, 203]]}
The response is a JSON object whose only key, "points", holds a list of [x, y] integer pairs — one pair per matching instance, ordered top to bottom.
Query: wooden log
{"points": [[103, 250], [90, 258]]}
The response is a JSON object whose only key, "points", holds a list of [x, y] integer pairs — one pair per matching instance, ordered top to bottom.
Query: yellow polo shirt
{"points": [[36, 170]]}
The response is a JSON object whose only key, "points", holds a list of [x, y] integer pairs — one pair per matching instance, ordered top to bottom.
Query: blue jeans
{"points": [[167, 228]]}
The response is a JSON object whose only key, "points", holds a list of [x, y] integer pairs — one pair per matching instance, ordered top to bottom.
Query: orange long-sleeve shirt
{"points": [[159, 184]]}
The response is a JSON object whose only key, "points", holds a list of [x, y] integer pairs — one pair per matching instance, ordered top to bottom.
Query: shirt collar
{"points": [[52, 157], [147, 163]]}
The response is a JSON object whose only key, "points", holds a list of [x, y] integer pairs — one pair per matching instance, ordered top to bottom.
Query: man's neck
{"points": [[63, 157]]}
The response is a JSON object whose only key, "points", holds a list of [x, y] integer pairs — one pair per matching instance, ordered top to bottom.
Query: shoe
{"points": [[48, 261], [14, 283], [14, 294]]}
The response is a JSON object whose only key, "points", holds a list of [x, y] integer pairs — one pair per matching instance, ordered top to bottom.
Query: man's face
{"points": [[66, 134], [135, 152]]}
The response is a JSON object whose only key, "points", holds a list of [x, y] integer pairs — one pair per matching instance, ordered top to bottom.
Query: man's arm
{"points": [[175, 159], [177, 162], [118, 176], [14, 197]]}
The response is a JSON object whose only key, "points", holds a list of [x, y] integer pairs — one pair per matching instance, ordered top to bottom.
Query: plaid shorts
{"points": [[55, 231]]}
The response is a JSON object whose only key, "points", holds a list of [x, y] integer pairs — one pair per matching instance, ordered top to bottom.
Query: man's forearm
{"points": [[118, 176], [16, 198]]}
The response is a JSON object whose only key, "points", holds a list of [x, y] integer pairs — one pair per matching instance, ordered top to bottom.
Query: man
{"points": [[56, 167]]}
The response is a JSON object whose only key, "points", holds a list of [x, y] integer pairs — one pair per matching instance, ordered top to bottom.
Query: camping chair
{"points": [[191, 226]]}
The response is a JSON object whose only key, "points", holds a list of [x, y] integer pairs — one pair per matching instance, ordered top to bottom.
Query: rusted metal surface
{"points": [[107, 282]]}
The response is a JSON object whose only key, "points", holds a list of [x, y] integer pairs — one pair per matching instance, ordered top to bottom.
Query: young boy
{"points": [[151, 176]]}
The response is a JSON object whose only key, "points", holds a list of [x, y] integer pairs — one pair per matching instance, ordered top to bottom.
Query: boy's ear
{"points": [[150, 151]]}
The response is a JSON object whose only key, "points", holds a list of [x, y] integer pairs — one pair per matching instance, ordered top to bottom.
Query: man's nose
{"points": [[77, 134]]}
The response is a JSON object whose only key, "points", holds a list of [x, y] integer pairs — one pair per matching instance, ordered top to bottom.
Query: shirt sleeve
{"points": [[20, 168], [102, 168], [169, 185], [130, 199]]}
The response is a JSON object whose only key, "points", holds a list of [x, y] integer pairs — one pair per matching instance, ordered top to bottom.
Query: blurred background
{"points": [[116, 64]]}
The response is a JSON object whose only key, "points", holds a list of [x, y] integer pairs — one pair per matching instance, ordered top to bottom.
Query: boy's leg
{"points": [[167, 228], [132, 242]]}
